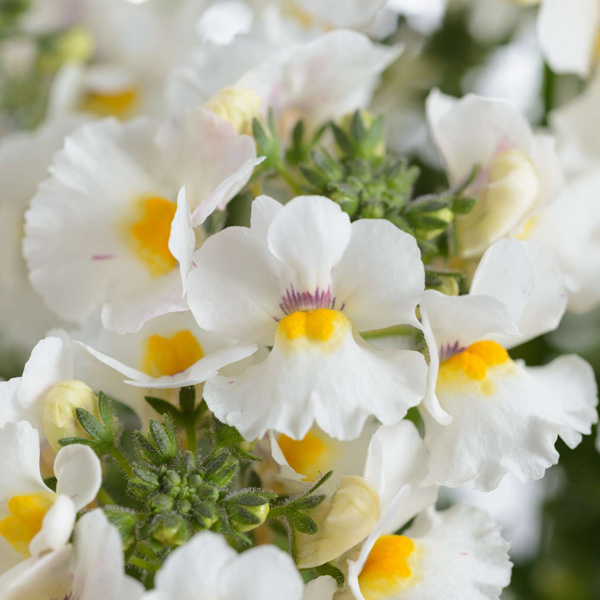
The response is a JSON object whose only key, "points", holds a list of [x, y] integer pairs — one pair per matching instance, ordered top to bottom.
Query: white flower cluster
{"points": [[306, 329]]}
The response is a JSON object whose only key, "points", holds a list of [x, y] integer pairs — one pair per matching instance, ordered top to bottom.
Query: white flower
{"points": [[568, 33], [318, 80], [24, 162], [519, 172], [106, 231], [305, 281], [169, 352], [57, 359], [487, 415], [395, 466], [33, 518], [456, 554], [206, 567], [89, 569]]}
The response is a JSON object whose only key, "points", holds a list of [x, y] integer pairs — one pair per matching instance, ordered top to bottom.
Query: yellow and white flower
{"points": [[317, 80], [24, 162], [519, 171], [106, 230], [305, 281], [487, 415], [33, 518], [207, 567], [89, 569]]}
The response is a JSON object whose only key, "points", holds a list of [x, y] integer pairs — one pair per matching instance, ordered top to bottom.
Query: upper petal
{"points": [[380, 277], [79, 474]]}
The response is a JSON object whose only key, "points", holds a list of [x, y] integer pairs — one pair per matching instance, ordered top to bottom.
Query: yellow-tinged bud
{"points": [[77, 44], [240, 106], [368, 120], [510, 195], [444, 214], [59, 417], [260, 511], [343, 520]]}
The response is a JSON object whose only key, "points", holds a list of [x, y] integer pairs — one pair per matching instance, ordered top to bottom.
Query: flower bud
{"points": [[77, 44], [239, 106], [511, 193], [445, 215], [59, 418], [257, 513], [343, 520], [171, 530]]}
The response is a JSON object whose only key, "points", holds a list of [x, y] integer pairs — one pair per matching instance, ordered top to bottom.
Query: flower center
{"points": [[120, 104], [150, 234], [318, 325], [167, 356], [475, 360], [309, 456], [25, 521], [387, 566]]}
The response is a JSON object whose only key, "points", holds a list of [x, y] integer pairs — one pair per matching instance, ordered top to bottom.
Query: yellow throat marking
{"points": [[121, 104], [150, 233], [317, 326], [168, 356], [475, 360], [309, 456], [25, 521], [388, 567]]}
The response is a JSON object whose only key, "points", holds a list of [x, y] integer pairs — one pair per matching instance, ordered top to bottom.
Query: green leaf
{"points": [[261, 138], [342, 140], [463, 205], [162, 407], [106, 413], [91, 425], [145, 450], [51, 483], [319, 483], [308, 502], [303, 523], [332, 571]]}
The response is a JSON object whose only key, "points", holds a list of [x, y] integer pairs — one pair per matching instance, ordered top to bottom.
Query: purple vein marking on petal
{"points": [[103, 256]]}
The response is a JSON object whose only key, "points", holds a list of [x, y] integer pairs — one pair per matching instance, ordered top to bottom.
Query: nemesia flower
{"points": [[568, 33], [317, 80], [24, 162], [519, 172], [104, 230], [305, 281], [167, 353], [487, 415], [395, 466], [33, 518], [207, 567], [89, 569]]}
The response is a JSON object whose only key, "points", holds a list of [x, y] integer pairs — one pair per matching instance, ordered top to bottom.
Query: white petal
{"points": [[345, 13], [222, 22], [567, 33], [322, 79], [208, 157], [264, 210], [571, 229], [309, 235], [182, 241], [74, 250], [380, 277], [527, 279], [233, 289], [51, 361], [337, 390], [11, 410], [509, 422], [396, 458], [19, 462], [79, 474], [57, 527], [98, 564], [193, 571], [265, 572], [45, 577], [321, 588]]}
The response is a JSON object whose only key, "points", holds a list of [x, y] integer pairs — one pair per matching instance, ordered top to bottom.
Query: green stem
{"points": [[549, 87], [283, 171], [397, 330], [190, 429], [121, 460], [105, 498]]}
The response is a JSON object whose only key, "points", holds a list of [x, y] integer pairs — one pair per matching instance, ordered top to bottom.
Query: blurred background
{"points": [[55, 54]]}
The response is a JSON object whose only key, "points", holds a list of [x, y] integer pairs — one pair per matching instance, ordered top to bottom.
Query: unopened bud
{"points": [[77, 44], [240, 106], [445, 215], [59, 416], [247, 518], [343, 520], [171, 530]]}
